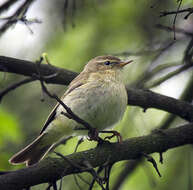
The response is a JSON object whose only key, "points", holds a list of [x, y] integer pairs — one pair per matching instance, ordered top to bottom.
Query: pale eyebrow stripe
{"points": [[112, 61]]}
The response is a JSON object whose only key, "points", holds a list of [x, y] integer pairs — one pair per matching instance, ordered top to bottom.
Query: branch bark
{"points": [[28, 68], [136, 97], [148, 99], [51, 169]]}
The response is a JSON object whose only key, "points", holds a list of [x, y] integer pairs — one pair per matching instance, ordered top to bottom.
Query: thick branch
{"points": [[5, 6], [27, 68], [143, 98], [148, 99], [52, 169]]}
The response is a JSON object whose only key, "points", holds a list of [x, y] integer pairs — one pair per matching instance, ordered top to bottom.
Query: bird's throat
{"points": [[106, 76]]}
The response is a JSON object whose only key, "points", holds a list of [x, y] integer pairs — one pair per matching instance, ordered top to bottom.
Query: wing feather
{"points": [[80, 80]]}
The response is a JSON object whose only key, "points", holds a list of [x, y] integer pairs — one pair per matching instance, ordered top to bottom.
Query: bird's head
{"points": [[105, 63]]}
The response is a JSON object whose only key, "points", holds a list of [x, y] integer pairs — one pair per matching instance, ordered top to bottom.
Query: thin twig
{"points": [[5, 6], [166, 13], [18, 15], [175, 17], [177, 30], [188, 52], [149, 73], [169, 75], [14, 86], [70, 114], [92, 132], [81, 140], [61, 142], [151, 159], [69, 161], [87, 167], [128, 169], [99, 170], [95, 175], [107, 175], [82, 179], [77, 183], [52, 184], [60, 186]]}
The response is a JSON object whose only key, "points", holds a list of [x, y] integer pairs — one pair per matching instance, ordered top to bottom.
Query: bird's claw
{"points": [[115, 134], [93, 135]]}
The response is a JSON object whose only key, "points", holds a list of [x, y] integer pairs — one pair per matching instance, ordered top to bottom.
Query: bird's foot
{"points": [[114, 134], [93, 135]]}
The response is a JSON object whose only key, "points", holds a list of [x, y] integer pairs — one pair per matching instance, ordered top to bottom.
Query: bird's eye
{"points": [[107, 62]]}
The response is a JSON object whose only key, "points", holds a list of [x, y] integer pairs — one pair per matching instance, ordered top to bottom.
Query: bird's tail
{"points": [[32, 153]]}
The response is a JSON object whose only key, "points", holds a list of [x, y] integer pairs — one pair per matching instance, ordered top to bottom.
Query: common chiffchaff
{"points": [[97, 95]]}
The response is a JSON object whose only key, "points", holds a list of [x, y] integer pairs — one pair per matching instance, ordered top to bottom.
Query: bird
{"points": [[97, 95]]}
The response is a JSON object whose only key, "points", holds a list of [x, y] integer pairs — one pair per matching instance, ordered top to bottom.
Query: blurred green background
{"points": [[71, 37]]}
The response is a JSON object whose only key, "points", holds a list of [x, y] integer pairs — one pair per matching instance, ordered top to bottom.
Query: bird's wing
{"points": [[80, 80], [50, 118]]}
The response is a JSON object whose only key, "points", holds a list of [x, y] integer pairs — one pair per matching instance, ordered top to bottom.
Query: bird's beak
{"points": [[122, 64]]}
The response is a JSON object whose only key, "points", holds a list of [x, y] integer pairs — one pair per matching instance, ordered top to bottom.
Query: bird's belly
{"points": [[101, 106]]}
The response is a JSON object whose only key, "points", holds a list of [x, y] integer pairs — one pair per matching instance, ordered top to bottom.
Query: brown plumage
{"points": [[95, 92]]}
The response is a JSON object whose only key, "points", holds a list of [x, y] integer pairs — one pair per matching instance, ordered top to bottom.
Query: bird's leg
{"points": [[93, 134], [114, 134]]}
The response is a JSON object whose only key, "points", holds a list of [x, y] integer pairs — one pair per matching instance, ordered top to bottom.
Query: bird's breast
{"points": [[101, 104]]}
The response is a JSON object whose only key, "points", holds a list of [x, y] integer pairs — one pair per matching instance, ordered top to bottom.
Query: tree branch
{"points": [[6, 5], [188, 10], [18, 15], [170, 29], [28, 68], [14, 86], [136, 97], [148, 99], [51, 169]]}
